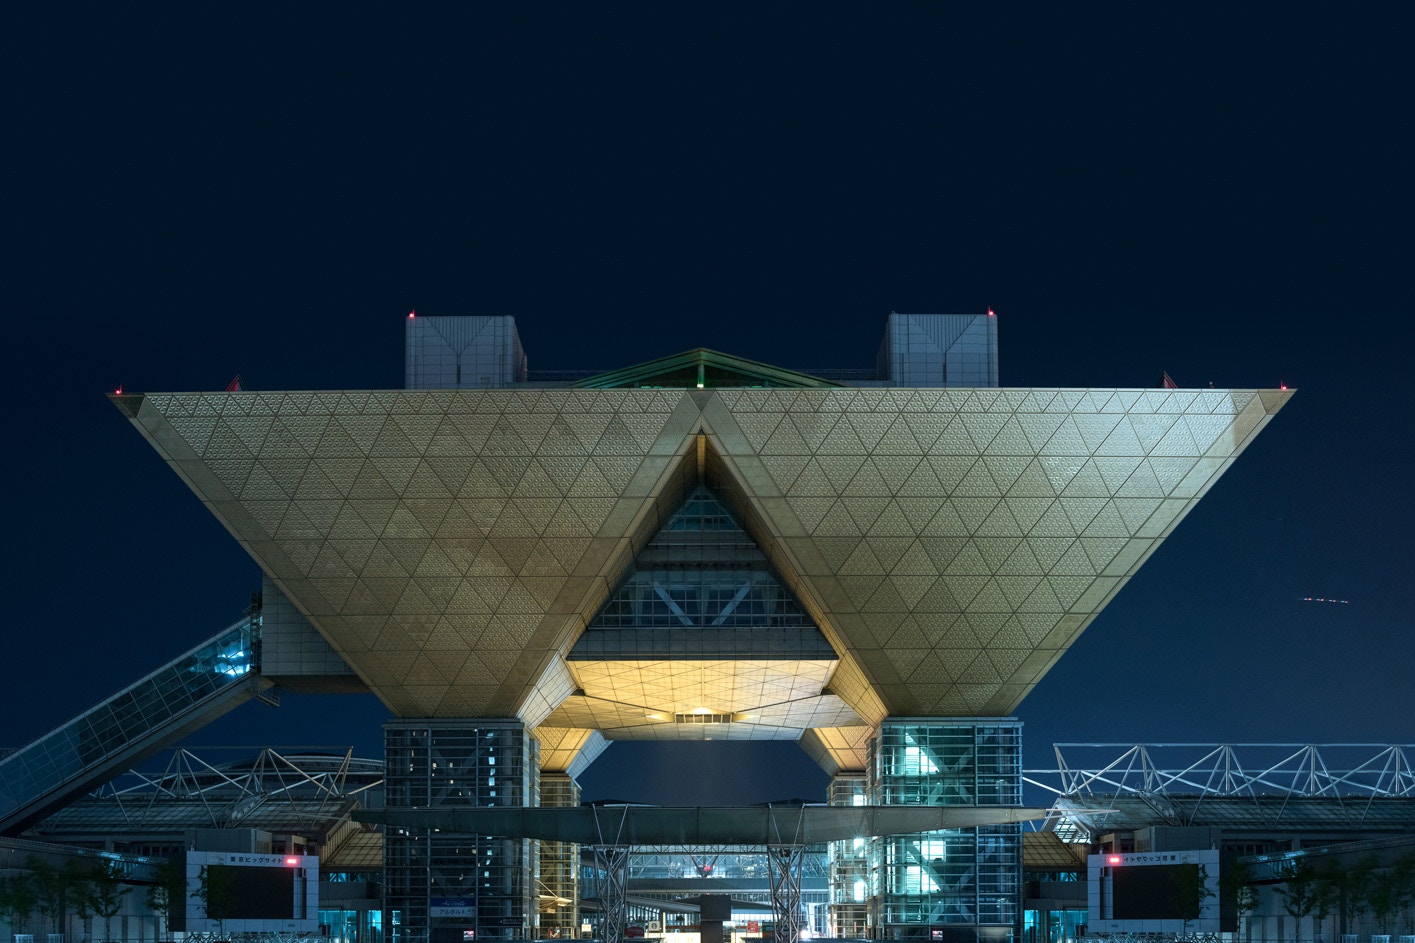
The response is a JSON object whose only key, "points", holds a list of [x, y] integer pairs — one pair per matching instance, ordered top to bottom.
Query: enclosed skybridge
{"points": [[183, 695]]}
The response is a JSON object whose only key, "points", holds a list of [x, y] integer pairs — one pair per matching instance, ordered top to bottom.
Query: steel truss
{"points": [[1301, 770], [1353, 774], [310, 789], [784, 855], [611, 857], [785, 867]]}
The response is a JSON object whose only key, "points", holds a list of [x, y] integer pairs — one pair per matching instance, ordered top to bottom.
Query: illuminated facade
{"points": [[877, 564]]}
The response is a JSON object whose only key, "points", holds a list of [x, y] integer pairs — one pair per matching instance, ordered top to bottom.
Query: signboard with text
{"points": [[460, 907]]}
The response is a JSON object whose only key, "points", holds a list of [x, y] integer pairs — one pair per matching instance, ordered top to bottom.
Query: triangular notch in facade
{"points": [[701, 589]]}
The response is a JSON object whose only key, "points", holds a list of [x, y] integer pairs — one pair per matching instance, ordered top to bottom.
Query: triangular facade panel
{"points": [[440, 533]]}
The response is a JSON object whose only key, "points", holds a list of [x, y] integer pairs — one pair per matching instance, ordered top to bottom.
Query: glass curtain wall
{"points": [[559, 864], [849, 865], [439, 884], [956, 884], [352, 926], [1053, 926]]}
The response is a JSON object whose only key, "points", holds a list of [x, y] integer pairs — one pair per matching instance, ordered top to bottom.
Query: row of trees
{"points": [[77, 889], [1384, 892]]}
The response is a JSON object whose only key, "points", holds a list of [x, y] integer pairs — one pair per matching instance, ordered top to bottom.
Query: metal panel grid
{"points": [[950, 543]]}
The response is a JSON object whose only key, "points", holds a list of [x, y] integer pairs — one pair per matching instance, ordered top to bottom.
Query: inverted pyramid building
{"points": [[946, 545]]}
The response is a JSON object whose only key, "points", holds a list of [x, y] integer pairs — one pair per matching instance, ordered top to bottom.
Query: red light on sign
{"points": [[1112, 859], [291, 862]]}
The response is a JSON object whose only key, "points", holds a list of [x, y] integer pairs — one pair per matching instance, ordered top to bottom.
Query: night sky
{"points": [[1219, 194]]}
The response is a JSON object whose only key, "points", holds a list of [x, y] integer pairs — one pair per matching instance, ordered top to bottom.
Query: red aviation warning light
{"points": [[992, 313], [412, 314]]}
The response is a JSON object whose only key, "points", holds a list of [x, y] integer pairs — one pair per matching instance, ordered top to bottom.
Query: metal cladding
{"points": [[948, 543]]}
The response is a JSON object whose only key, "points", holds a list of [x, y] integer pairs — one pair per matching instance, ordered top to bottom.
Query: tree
{"points": [[1405, 876], [1236, 884], [1347, 886], [48, 890], [75, 890], [58, 891], [1190, 892], [1300, 892], [106, 893], [165, 893], [216, 893], [1391, 893], [17, 901], [1321, 908]]}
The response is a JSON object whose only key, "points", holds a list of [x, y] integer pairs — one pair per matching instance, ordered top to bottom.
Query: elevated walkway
{"points": [[185, 694]]}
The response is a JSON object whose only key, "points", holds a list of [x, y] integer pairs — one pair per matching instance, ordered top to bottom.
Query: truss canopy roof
{"points": [[949, 544]]}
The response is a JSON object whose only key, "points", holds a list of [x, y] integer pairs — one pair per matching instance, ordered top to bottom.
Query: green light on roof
{"points": [[703, 369]]}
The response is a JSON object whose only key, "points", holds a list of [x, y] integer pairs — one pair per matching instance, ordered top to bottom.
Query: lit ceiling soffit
{"points": [[700, 369], [701, 617]]}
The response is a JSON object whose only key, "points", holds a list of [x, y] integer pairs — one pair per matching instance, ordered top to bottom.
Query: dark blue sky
{"points": [[1224, 196]]}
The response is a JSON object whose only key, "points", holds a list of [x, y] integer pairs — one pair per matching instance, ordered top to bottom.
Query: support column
{"points": [[611, 858], [612, 861], [559, 864], [849, 864], [784, 865], [439, 885], [958, 885]]}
